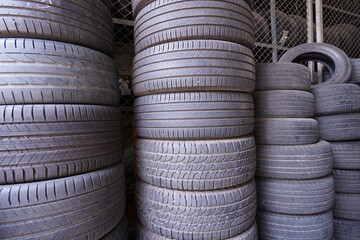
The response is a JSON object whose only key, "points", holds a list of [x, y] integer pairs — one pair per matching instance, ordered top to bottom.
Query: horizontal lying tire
{"points": [[165, 21], [85, 23], [332, 57], [196, 65], [47, 72], [355, 75], [282, 76], [336, 99], [284, 103], [194, 115], [341, 127], [286, 131], [40, 142], [346, 155], [294, 162], [196, 165], [347, 181], [295, 196], [85, 206], [347, 206], [216, 214], [294, 227], [346, 229], [119, 232]]}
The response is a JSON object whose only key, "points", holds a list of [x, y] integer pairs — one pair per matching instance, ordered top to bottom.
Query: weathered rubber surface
{"points": [[164, 21], [82, 22], [262, 29], [332, 57], [196, 65], [37, 71], [355, 75], [282, 76], [336, 99], [284, 104], [194, 115], [341, 127], [286, 131], [40, 142], [346, 155], [294, 162], [196, 165], [347, 181], [300, 197], [84, 206], [347, 206], [216, 214], [295, 227], [346, 229], [119, 232], [143, 233]]}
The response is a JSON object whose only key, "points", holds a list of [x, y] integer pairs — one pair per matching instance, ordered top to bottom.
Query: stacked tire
{"points": [[193, 74], [60, 129], [294, 186]]}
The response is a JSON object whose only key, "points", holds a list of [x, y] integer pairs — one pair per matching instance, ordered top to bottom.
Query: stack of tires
{"points": [[193, 74], [60, 176], [295, 189]]}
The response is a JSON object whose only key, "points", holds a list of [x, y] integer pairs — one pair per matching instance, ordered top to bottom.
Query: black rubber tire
{"points": [[166, 21], [85, 23], [262, 29], [301, 29], [332, 57], [197, 65], [46, 72], [282, 76], [355, 76], [336, 99], [284, 104], [194, 115], [341, 127], [286, 131], [40, 142], [346, 155], [294, 162], [196, 165], [347, 181], [301, 197], [84, 206], [347, 206], [216, 214], [295, 227], [346, 229], [120, 232]]}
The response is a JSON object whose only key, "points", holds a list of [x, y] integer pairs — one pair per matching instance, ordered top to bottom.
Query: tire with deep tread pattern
{"points": [[346, 155], [347, 181], [347, 206], [346, 229], [119, 232]]}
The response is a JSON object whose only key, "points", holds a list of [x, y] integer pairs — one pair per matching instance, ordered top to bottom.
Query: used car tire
{"points": [[346, 155], [347, 181], [347, 206], [346, 229], [119, 232]]}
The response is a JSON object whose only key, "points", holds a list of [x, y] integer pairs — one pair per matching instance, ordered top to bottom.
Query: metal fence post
{"points": [[273, 30]]}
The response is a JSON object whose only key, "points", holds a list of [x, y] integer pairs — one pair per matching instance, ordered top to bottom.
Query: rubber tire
{"points": [[165, 21], [87, 24], [262, 29], [301, 29], [332, 57], [199, 65], [45, 72], [282, 76], [355, 76], [336, 99], [284, 104], [194, 116], [341, 127], [286, 131], [41, 142], [346, 155], [294, 162], [196, 165], [347, 181], [300, 197], [85, 206], [347, 206], [216, 214], [295, 227], [346, 229], [119, 232]]}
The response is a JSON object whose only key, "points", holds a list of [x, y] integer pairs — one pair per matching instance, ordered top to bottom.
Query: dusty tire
{"points": [[165, 21], [85, 23], [199, 65], [47, 72], [355, 76], [194, 115], [286, 131], [41, 142], [346, 155], [294, 162], [196, 165], [347, 181], [83, 206], [347, 206], [196, 214], [346, 229], [119, 232]]}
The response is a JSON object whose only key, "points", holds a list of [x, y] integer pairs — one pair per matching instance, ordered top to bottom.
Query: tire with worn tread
{"points": [[355, 75], [346, 155], [347, 181], [347, 206], [346, 229], [119, 232]]}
